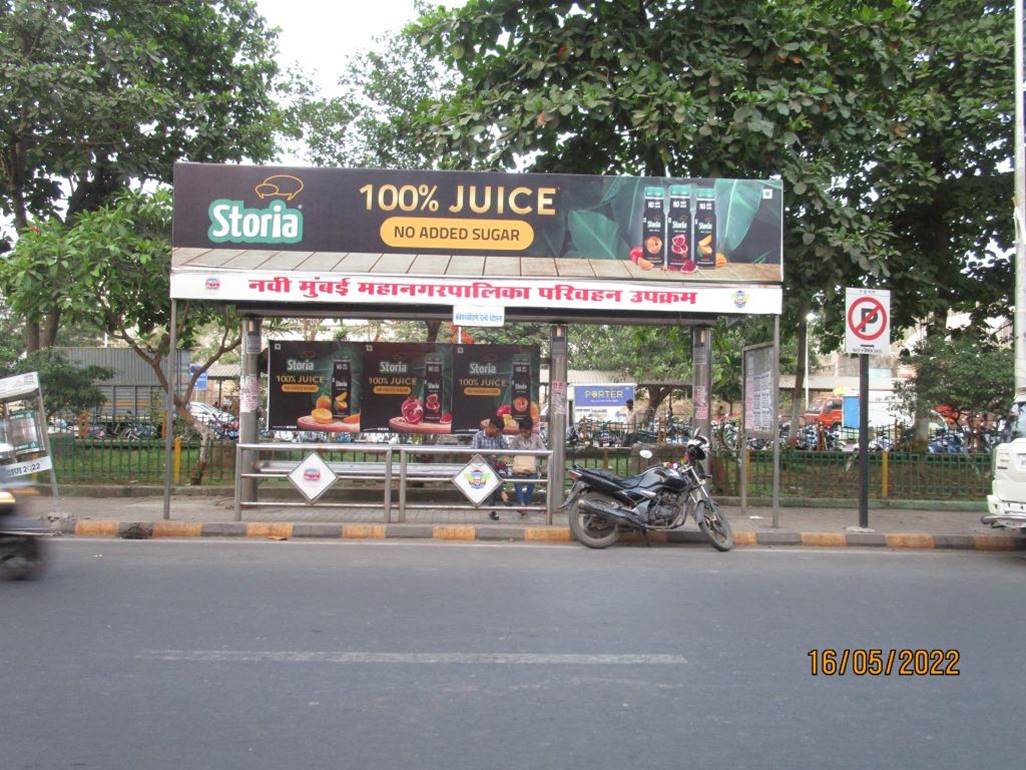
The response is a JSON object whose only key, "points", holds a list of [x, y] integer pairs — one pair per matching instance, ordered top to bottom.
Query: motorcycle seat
{"points": [[626, 482]]}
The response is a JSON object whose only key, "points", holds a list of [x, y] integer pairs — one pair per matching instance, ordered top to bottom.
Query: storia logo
{"points": [[232, 222]]}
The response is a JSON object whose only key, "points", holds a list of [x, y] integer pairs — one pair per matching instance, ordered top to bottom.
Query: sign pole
{"points": [[169, 405], [557, 416], [775, 437], [864, 441], [46, 447]]}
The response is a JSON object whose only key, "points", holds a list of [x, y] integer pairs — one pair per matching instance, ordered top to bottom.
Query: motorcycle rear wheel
{"points": [[715, 527], [591, 530], [21, 558]]}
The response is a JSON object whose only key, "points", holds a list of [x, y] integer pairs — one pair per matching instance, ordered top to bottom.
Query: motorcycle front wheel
{"points": [[714, 525], [591, 530], [21, 558]]}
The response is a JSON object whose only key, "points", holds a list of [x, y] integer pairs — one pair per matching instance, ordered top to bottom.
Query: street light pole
{"points": [[1020, 214]]}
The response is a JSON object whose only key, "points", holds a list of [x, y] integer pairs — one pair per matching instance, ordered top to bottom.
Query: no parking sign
{"points": [[867, 321]]}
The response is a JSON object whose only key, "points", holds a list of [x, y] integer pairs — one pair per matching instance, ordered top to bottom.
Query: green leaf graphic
{"points": [[737, 204], [627, 208], [596, 236]]}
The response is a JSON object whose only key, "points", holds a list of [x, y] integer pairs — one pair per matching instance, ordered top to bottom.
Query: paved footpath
{"points": [[214, 516]]}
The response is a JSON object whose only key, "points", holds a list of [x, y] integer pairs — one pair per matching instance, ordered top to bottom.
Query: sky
{"points": [[319, 34]]}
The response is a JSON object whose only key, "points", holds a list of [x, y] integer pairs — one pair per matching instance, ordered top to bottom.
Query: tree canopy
{"points": [[97, 94]]}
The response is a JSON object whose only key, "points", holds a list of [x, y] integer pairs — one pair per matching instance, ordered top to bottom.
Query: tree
{"points": [[806, 90], [97, 94], [114, 264], [969, 372], [68, 388]]}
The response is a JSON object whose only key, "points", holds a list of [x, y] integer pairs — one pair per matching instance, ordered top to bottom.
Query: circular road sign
{"points": [[867, 318]]}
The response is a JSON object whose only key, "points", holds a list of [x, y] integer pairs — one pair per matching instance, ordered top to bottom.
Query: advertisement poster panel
{"points": [[635, 228], [497, 380], [314, 386], [405, 388], [603, 401]]}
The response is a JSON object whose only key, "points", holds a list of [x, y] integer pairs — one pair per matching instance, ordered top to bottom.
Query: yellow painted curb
{"points": [[96, 528], [177, 528], [274, 529], [363, 531], [453, 532], [548, 534], [745, 538], [828, 539], [910, 540], [994, 543]]}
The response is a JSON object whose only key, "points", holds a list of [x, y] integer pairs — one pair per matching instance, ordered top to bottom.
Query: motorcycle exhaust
{"points": [[614, 513]]}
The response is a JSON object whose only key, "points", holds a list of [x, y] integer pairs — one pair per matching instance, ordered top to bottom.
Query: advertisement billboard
{"points": [[657, 228], [500, 380], [314, 386], [390, 387]]}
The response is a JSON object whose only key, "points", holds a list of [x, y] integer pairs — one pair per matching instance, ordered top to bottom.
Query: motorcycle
{"points": [[659, 499], [22, 547]]}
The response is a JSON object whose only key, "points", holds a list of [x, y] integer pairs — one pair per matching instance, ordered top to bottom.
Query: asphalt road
{"points": [[222, 654]]}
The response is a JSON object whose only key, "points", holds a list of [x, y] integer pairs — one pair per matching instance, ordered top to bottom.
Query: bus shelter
{"points": [[500, 248]]}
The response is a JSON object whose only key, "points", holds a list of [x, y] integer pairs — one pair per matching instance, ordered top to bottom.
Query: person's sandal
{"points": [[494, 516]]}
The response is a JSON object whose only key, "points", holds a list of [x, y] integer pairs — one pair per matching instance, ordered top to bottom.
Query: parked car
{"points": [[827, 412], [210, 415]]}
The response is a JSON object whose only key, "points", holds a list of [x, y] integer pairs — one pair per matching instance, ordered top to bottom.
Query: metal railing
{"points": [[326, 450], [406, 451], [377, 471]]}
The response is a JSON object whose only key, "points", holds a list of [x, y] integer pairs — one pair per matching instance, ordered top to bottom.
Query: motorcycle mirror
{"points": [[646, 454]]}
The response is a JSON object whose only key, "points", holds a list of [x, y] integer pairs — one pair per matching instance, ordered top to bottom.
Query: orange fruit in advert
{"points": [[653, 243], [323, 402], [321, 415], [353, 419]]}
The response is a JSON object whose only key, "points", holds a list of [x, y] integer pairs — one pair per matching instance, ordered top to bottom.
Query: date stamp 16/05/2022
{"points": [[872, 661]]}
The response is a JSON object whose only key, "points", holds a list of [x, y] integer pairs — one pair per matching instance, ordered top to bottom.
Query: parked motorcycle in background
{"points": [[659, 499]]}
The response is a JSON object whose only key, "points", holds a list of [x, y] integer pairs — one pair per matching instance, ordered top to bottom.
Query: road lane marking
{"points": [[421, 658]]}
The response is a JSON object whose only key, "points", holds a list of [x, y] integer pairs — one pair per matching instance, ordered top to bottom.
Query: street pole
{"points": [[1020, 213], [249, 392], [169, 405], [557, 415], [864, 441]]}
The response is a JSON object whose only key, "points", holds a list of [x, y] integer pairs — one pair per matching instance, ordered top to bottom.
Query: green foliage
{"points": [[97, 94], [378, 119], [110, 267], [968, 372], [68, 388]]}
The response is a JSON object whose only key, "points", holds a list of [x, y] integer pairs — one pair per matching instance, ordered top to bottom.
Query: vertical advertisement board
{"points": [[500, 380], [314, 386]]}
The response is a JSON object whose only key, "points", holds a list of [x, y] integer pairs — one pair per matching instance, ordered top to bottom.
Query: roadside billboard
{"points": [[283, 234], [387, 387], [605, 402]]}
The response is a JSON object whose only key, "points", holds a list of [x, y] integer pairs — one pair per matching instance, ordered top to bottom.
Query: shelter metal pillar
{"points": [[701, 390], [249, 400], [169, 405], [557, 415]]}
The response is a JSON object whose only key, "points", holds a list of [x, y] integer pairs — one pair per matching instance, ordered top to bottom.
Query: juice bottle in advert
{"points": [[653, 226], [678, 230], [704, 248], [341, 389], [432, 390], [520, 390]]}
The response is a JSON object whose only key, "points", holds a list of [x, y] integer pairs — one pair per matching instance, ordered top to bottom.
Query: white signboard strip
{"points": [[568, 293], [478, 315], [19, 385], [38, 465]]}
